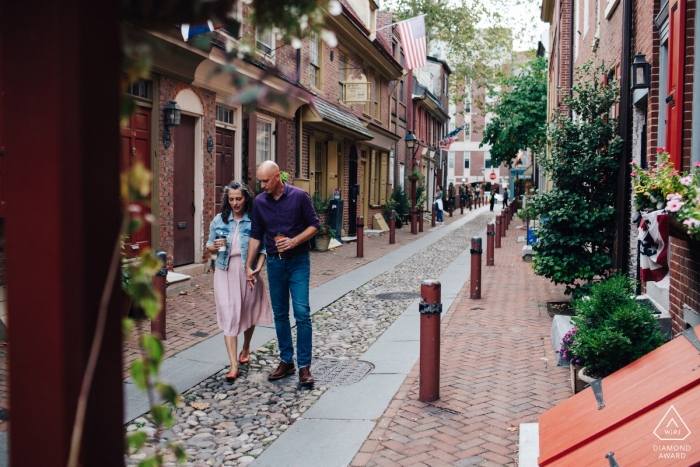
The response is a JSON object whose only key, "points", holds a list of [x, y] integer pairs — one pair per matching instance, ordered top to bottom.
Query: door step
{"points": [[177, 282]]}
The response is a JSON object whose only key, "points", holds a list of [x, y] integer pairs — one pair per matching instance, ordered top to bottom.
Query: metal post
{"points": [[461, 205], [451, 207], [433, 214], [507, 217], [420, 219], [414, 221], [503, 224], [392, 227], [498, 232], [490, 233], [360, 236], [159, 283], [475, 283], [430, 309]]}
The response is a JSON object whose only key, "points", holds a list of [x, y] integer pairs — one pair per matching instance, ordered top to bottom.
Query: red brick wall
{"points": [[688, 82], [169, 88], [2, 251], [685, 280]]}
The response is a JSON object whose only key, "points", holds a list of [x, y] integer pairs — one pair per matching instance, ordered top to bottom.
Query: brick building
{"points": [[659, 116]]}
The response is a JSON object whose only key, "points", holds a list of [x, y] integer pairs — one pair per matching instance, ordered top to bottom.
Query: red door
{"points": [[676, 65], [136, 146], [224, 162], [183, 192]]}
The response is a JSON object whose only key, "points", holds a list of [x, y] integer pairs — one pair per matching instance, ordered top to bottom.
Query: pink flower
{"points": [[660, 150], [633, 163], [696, 164], [674, 173], [634, 174], [687, 181], [674, 196], [674, 205], [692, 223]]}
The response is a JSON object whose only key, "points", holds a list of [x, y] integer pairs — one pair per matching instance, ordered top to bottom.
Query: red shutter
{"points": [[676, 64], [281, 137], [252, 150], [2, 159]]}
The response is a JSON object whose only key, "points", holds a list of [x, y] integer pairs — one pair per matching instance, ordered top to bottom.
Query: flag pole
{"points": [[394, 24]]}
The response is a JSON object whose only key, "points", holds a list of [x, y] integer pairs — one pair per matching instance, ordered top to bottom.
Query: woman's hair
{"points": [[439, 187], [226, 207]]}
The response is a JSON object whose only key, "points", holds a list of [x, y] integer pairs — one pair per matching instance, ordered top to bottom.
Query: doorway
{"points": [[136, 147], [224, 163], [353, 191], [183, 192]]}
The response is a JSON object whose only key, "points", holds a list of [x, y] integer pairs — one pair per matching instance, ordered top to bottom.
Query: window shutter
{"points": [[676, 64], [281, 138], [252, 150], [331, 168], [383, 178]]}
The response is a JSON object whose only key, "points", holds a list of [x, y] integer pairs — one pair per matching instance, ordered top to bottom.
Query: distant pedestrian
{"points": [[451, 193], [462, 195], [469, 197], [493, 198], [505, 198], [438, 205], [285, 219], [240, 306]]}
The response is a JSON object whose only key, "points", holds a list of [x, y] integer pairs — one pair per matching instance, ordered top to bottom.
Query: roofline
{"points": [[443, 62]]}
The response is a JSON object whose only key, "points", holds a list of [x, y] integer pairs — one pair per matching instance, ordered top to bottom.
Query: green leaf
{"points": [[127, 327], [139, 374], [167, 392], [162, 415], [135, 440], [178, 451], [155, 461]]}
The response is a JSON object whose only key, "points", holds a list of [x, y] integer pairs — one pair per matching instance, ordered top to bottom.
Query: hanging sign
{"points": [[356, 90]]}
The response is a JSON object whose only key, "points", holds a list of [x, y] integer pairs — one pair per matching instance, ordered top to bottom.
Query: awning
{"points": [[335, 120], [382, 138], [647, 413]]}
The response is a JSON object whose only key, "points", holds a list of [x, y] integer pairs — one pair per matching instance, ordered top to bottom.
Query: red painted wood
{"points": [[676, 66], [281, 137], [2, 146], [136, 147], [62, 148], [252, 150], [224, 162], [184, 211], [639, 388]]}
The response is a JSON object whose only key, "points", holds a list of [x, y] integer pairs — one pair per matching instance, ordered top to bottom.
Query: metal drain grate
{"points": [[397, 296], [333, 372], [445, 413]]}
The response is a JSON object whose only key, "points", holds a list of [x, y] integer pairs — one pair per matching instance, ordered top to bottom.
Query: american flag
{"points": [[413, 38], [450, 138]]}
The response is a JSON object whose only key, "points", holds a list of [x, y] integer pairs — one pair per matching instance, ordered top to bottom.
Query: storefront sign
{"points": [[356, 91]]}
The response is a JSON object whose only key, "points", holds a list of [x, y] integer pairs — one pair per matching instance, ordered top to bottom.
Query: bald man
{"points": [[285, 219]]}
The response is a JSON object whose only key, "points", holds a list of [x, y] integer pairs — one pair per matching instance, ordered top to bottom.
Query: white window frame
{"points": [[271, 45], [315, 66], [227, 110], [264, 119], [450, 159], [467, 159]]}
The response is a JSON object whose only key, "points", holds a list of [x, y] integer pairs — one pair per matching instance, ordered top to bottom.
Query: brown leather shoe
{"points": [[284, 369], [305, 377]]}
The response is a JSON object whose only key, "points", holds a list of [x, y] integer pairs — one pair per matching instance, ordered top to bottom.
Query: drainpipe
{"points": [[571, 57], [695, 141], [623, 213]]}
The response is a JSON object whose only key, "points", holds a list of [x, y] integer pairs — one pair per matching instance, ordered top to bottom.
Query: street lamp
{"points": [[641, 72], [171, 117], [410, 140]]}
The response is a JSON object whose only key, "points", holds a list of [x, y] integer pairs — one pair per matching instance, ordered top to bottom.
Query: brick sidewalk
{"points": [[191, 318], [498, 370]]}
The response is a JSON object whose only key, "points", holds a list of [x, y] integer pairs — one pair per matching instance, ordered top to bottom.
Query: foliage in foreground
{"points": [[577, 232], [613, 329]]}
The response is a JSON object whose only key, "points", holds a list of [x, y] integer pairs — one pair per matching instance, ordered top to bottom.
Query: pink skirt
{"points": [[237, 307]]}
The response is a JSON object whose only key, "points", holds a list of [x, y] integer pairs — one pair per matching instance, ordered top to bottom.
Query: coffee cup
{"points": [[222, 237]]}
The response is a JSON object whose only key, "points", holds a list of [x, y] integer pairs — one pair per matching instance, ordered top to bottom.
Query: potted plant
{"points": [[415, 174], [402, 204], [324, 236], [125, 280], [612, 328], [567, 353]]}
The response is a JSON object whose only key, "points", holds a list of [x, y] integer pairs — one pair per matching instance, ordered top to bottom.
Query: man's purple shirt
{"points": [[291, 214]]}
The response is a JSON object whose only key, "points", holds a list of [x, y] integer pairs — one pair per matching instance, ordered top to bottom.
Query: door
{"points": [[676, 68], [136, 147], [224, 162], [183, 192], [352, 192], [362, 199]]}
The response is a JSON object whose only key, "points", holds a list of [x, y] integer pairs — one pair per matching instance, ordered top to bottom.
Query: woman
{"points": [[438, 204], [240, 306]]}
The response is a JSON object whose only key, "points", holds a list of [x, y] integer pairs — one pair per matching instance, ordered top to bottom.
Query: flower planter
{"points": [[322, 242], [559, 308], [577, 384]]}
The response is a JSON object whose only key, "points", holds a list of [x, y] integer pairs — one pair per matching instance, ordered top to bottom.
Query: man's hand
{"points": [[285, 243], [251, 277]]}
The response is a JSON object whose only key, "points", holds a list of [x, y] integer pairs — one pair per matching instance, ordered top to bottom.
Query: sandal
{"points": [[243, 360], [232, 377]]}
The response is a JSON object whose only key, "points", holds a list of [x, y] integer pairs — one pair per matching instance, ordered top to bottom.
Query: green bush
{"points": [[401, 201], [612, 328]]}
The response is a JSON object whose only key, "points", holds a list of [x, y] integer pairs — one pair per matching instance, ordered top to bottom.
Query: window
{"points": [[264, 41], [402, 59], [314, 60], [366, 72], [342, 76], [445, 85], [141, 88], [401, 92], [377, 97], [468, 105], [224, 115], [452, 126], [467, 131], [264, 141], [467, 156], [451, 160], [487, 160], [318, 175]]}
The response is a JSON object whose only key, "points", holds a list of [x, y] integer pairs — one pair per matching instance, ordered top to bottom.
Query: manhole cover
{"points": [[397, 296], [333, 372]]}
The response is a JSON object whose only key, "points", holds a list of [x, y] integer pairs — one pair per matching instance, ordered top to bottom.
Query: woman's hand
{"points": [[219, 242]]}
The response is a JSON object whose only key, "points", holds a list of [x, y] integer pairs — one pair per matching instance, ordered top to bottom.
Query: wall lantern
{"points": [[641, 72], [171, 117], [410, 140]]}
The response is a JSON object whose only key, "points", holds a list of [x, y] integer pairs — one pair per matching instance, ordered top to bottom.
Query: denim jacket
{"points": [[243, 237]]}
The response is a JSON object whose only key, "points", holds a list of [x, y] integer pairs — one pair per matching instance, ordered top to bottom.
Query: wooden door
{"points": [[676, 67], [136, 147], [224, 162], [183, 192], [352, 192], [362, 199]]}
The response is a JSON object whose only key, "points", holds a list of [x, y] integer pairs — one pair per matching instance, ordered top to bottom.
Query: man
{"points": [[493, 196], [505, 198], [285, 218]]}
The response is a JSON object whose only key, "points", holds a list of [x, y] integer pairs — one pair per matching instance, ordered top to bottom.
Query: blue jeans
{"points": [[438, 212], [287, 276]]}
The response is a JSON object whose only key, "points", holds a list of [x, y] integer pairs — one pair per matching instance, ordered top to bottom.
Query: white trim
{"points": [[273, 129]]}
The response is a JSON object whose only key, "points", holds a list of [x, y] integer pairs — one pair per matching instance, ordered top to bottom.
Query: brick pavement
{"points": [[497, 370]]}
